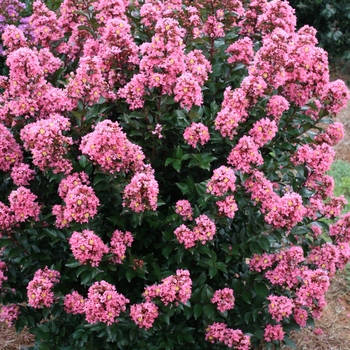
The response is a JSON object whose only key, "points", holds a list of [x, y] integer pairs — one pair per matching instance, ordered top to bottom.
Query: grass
{"points": [[340, 171]]}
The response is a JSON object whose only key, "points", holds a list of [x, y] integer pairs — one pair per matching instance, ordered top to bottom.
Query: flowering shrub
{"points": [[163, 175]]}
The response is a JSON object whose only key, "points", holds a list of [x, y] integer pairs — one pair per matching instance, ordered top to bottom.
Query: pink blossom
{"points": [[241, 51], [188, 91], [276, 106], [263, 131], [195, 133], [47, 143], [109, 147], [10, 151], [245, 154], [21, 174], [222, 181], [142, 192], [23, 205], [227, 206], [183, 208], [205, 228], [186, 236], [119, 242], [87, 247], [175, 288], [39, 289], [224, 299], [74, 303], [104, 303], [280, 307], [9, 314], [144, 314], [300, 316], [272, 333], [232, 338]]}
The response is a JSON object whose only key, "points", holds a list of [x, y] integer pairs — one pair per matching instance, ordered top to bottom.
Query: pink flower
{"points": [[241, 51], [188, 91], [195, 133], [47, 143], [109, 147], [10, 151], [245, 154], [21, 174], [222, 181], [142, 192], [23, 205], [227, 207], [183, 208], [205, 228], [185, 236], [119, 242], [87, 247], [3, 268], [175, 288], [39, 289], [224, 299], [74, 303], [104, 303], [280, 307], [9, 314], [144, 314], [272, 333], [232, 338]]}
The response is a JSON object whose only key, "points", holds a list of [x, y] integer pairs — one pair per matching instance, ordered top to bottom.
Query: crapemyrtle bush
{"points": [[163, 175]]}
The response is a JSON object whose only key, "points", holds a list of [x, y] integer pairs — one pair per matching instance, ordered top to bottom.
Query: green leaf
{"points": [[183, 187], [264, 243], [212, 271], [129, 275], [261, 290], [197, 310], [289, 342]]}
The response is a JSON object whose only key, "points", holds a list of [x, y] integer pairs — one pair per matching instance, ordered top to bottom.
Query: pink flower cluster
{"points": [[241, 51], [263, 130], [195, 133], [333, 134], [47, 144], [109, 147], [10, 151], [245, 154], [319, 158], [21, 174], [222, 181], [142, 192], [80, 199], [23, 205], [227, 207], [183, 208], [286, 211], [203, 232], [119, 242], [87, 247], [175, 288], [39, 289], [224, 299], [74, 303], [104, 303], [280, 307], [9, 314], [144, 314], [272, 333], [232, 338]]}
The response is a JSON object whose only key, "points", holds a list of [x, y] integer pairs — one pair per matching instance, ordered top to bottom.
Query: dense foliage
{"points": [[332, 21], [163, 174]]}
